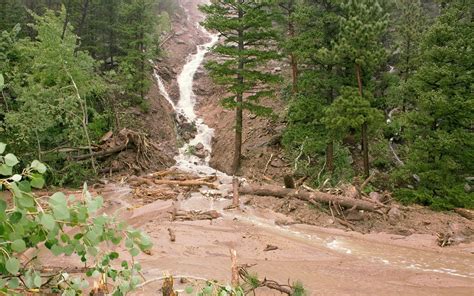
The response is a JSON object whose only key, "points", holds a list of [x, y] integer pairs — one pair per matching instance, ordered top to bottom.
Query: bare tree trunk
{"points": [[85, 10], [66, 22], [293, 59], [239, 100], [364, 135], [330, 157]]}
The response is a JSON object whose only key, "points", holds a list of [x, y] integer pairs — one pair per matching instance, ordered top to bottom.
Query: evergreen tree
{"points": [[286, 10], [410, 25], [137, 28], [248, 43], [359, 46], [319, 82], [441, 140]]}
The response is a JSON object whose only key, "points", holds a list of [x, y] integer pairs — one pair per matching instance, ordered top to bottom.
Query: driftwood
{"points": [[312, 197], [465, 213], [194, 215], [172, 235], [269, 248], [234, 268]]}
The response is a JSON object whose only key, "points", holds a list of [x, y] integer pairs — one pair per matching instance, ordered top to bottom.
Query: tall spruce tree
{"points": [[286, 10], [410, 24], [316, 27], [137, 28], [248, 43], [359, 46], [440, 128]]}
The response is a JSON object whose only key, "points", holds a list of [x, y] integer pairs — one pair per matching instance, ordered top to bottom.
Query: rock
{"points": [[179, 41], [276, 70], [199, 73], [201, 91], [199, 146], [200, 151], [467, 188], [351, 191], [375, 196], [394, 215], [355, 216]]}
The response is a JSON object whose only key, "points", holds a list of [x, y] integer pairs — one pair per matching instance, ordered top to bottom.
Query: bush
{"points": [[26, 222]]}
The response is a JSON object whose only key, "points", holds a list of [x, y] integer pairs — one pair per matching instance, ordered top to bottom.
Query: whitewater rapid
{"points": [[186, 160]]}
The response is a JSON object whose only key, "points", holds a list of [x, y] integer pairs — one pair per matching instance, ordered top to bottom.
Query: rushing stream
{"points": [[402, 257]]}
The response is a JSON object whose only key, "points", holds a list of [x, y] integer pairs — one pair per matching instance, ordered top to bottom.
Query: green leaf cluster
{"points": [[26, 223]]}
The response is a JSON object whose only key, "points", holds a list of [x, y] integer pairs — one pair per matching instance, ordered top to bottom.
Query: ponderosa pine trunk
{"points": [[293, 59], [239, 100], [364, 135], [330, 157]]}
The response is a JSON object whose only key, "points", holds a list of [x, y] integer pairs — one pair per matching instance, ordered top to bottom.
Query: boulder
{"points": [[394, 215]]}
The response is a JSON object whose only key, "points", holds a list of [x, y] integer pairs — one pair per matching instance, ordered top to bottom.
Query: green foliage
{"points": [[138, 22], [362, 25], [244, 49], [55, 62], [47, 100], [348, 112], [439, 129], [26, 223], [212, 288], [298, 289]]}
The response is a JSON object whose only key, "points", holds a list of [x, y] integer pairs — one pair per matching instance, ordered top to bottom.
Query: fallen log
{"points": [[101, 154], [186, 183], [311, 197], [465, 213], [194, 215]]}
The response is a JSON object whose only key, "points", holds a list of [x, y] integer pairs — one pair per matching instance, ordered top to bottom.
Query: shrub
{"points": [[28, 222]]}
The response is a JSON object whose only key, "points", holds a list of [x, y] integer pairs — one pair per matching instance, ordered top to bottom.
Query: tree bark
{"points": [[66, 22], [80, 27], [294, 72], [239, 100], [364, 135], [365, 150], [101, 153], [330, 157], [311, 197]]}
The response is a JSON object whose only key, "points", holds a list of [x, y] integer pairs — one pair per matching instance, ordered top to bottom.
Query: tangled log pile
{"points": [[168, 184]]}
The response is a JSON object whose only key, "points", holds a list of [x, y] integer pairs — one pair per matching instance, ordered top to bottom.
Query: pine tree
{"points": [[286, 10], [410, 25], [316, 26], [137, 28], [248, 42], [359, 46], [440, 130]]}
